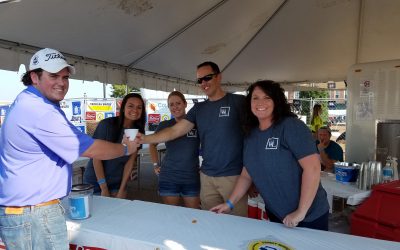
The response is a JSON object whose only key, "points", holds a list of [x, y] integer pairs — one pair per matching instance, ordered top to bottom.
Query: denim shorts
{"points": [[166, 188], [36, 228]]}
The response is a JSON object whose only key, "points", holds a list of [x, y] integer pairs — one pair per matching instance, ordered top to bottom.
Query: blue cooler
{"points": [[346, 172], [80, 201]]}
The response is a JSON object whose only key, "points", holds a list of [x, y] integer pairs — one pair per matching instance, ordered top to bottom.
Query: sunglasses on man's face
{"points": [[205, 78]]}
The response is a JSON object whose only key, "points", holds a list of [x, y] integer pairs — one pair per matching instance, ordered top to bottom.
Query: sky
{"points": [[11, 86]]}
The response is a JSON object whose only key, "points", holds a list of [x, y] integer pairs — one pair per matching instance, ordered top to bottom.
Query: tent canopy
{"points": [[157, 44]]}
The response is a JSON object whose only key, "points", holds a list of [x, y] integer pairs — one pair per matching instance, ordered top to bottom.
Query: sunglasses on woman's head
{"points": [[205, 78]]}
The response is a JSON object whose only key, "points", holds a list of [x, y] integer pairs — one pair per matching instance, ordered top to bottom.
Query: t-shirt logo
{"points": [[224, 111], [192, 133], [272, 143]]}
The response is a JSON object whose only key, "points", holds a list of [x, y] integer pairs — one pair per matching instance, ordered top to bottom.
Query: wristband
{"points": [[126, 152], [101, 181], [229, 203]]}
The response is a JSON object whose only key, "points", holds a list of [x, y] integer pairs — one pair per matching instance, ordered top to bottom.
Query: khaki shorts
{"points": [[216, 190]]}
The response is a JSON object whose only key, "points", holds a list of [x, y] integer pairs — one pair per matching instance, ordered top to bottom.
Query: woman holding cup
{"points": [[179, 171], [110, 177]]}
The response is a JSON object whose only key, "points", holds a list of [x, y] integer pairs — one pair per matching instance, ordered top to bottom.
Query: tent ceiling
{"points": [[158, 43]]}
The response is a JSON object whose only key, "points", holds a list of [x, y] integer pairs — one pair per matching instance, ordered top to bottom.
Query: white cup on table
{"points": [[131, 133]]}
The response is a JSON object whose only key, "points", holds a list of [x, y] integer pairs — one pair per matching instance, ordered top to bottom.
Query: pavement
{"points": [[145, 186]]}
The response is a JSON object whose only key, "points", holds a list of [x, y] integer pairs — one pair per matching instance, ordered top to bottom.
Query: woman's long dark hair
{"points": [[277, 94], [118, 124]]}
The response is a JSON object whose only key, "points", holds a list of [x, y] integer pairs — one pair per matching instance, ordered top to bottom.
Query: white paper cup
{"points": [[131, 133]]}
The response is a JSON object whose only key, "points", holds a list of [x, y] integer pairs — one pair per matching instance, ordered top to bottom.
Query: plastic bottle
{"points": [[395, 169], [387, 173]]}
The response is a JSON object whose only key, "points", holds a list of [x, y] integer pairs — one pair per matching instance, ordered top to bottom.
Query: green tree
{"points": [[120, 90], [307, 109]]}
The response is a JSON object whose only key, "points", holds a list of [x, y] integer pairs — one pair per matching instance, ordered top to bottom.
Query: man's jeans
{"points": [[37, 228]]}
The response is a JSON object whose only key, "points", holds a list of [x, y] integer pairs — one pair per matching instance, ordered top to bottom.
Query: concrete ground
{"points": [[145, 186]]}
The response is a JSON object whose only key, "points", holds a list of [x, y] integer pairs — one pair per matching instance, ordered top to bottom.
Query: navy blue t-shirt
{"points": [[219, 126], [334, 151], [271, 158], [181, 162], [113, 169]]}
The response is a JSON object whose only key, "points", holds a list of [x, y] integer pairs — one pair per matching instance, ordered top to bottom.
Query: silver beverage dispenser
{"points": [[387, 140]]}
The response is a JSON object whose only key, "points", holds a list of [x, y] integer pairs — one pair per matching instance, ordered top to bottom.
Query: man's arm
{"points": [[167, 134], [104, 150]]}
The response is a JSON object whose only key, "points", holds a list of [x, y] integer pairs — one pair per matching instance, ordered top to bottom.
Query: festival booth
{"points": [[158, 44], [122, 224]]}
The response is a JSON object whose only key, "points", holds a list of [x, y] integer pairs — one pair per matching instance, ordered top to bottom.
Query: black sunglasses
{"points": [[206, 78]]}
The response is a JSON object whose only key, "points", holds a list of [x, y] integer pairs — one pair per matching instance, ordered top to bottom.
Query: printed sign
{"points": [[100, 105], [102, 108], [157, 111], [73, 112], [91, 116], [154, 118]]}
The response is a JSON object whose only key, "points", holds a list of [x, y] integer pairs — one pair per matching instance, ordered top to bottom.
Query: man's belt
{"points": [[20, 210]]}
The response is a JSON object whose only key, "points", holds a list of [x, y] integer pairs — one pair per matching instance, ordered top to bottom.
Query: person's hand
{"points": [[140, 138], [323, 144], [132, 145], [157, 170], [105, 192], [252, 192], [122, 194], [221, 208], [294, 218]]}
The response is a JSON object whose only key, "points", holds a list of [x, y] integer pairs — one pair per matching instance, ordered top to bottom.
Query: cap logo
{"points": [[51, 56], [35, 60]]}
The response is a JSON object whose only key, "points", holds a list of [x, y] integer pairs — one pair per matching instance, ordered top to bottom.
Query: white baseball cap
{"points": [[50, 60]]}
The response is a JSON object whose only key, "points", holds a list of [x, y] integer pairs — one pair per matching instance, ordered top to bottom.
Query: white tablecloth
{"points": [[350, 192], [123, 224]]}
